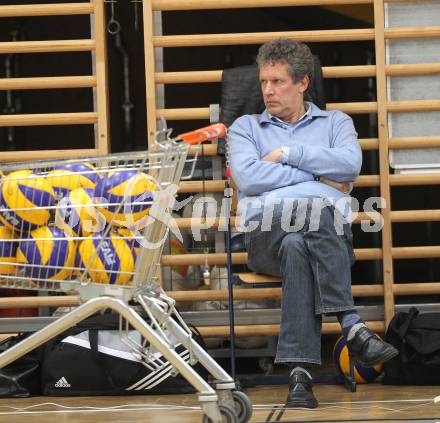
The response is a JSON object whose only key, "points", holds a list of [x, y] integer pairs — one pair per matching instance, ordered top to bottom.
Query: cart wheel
{"points": [[242, 405], [228, 414]]}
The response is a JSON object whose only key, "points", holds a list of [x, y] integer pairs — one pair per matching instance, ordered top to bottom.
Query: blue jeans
{"points": [[315, 266]]}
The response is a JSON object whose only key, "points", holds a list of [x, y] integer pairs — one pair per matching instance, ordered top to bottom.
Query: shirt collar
{"points": [[312, 111]]}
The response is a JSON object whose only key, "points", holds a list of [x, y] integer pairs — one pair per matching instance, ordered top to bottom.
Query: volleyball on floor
{"points": [[67, 177], [129, 194], [24, 200], [77, 215], [8, 251], [47, 254], [107, 260], [362, 374]]}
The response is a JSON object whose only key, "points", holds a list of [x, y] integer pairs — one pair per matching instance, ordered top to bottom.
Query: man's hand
{"points": [[274, 156], [344, 187]]}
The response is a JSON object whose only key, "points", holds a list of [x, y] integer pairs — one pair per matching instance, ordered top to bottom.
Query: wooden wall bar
{"points": [[167, 5], [13, 11], [331, 35], [360, 71], [47, 82], [98, 82], [382, 107], [354, 108], [365, 143], [23, 156], [363, 181]]}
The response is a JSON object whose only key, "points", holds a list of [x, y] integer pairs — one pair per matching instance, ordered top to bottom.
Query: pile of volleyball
{"points": [[72, 220]]}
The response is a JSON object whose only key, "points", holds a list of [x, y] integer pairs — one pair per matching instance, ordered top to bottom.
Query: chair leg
{"points": [[230, 297], [349, 380]]}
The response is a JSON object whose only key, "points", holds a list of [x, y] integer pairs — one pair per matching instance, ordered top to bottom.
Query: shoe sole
{"points": [[384, 358], [300, 404]]}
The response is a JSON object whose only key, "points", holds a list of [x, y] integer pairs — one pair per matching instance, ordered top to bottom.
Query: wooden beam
{"points": [[166, 5], [13, 11], [413, 32], [338, 35], [200, 40], [52, 46], [150, 67], [359, 71], [47, 82], [413, 106], [85, 118], [382, 118], [102, 141], [414, 142], [31, 155], [199, 186], [420, 252], [241, 258], [419, 288], [259, 294], [44, 301], [273, 330]]}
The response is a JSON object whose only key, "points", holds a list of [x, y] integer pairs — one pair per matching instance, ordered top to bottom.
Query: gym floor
{"points": [[371, 403]]}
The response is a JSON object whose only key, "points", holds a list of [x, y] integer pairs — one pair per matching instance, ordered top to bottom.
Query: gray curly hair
{"points": [[297, 56]]}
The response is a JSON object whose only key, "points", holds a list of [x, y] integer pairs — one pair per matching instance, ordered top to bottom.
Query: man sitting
{"points": [[294, 165]]}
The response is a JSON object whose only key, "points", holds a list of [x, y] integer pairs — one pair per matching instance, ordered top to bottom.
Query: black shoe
{"points": [[368, 349], [300, 391]]}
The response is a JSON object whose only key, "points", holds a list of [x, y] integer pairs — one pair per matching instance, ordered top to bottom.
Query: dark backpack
{"points": [[417, 337], [21, 378]]}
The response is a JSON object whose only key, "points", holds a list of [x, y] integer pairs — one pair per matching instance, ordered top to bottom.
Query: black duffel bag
{"points": [[417, 337], [92, 359]]}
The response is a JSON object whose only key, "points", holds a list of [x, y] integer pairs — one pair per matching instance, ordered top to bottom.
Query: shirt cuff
{"points": [[295, 153]]}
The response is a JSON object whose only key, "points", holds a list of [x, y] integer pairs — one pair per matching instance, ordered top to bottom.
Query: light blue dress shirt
{"points": [[321, 143]]}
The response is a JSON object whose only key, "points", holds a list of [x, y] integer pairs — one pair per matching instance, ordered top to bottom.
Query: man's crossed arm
{"points": [[345, 187]]}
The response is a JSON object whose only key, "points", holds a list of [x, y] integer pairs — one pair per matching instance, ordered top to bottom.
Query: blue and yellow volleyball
{"points": [[69, 176], [129, 194], [24, 201], [77, 215], [132, 238], [8, 251], [47, 254], [107, 260], [362, 374]]}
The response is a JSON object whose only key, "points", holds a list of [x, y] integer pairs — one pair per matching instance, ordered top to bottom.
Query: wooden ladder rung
{"points": [[12, 11], [52, 46], [48, 82], [81, 118], [273, 330]]}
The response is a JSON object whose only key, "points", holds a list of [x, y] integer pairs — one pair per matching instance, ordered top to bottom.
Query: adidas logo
{"points": [[62, 383]]}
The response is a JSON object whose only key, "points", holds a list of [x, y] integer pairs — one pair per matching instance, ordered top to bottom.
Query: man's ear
{"points": [[304, 84]]}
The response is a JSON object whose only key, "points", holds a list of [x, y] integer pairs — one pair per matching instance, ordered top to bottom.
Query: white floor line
{"points": [[427, 400], [103, 410]]}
